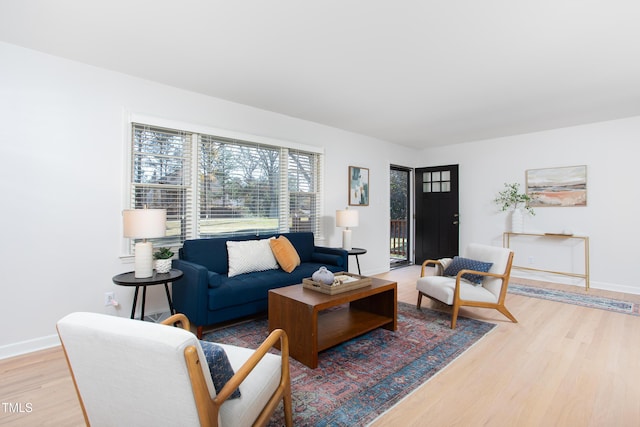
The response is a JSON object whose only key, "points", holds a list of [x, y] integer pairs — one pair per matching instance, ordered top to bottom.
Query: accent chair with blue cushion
{"points": [[226, 278], [478, 279], [132, 373]]}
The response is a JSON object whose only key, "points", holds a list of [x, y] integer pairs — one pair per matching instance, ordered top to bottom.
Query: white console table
{"points": [[506, 241]]}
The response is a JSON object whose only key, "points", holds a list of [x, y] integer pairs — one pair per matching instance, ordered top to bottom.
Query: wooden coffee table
{"points": [[314, 324]]}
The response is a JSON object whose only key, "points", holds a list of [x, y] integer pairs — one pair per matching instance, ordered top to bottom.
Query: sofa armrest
{"points": [[333, 256], [190, 292]]}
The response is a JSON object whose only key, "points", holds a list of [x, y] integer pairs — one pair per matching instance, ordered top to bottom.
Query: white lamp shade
{"points": [[347, 218], [144, 223]]}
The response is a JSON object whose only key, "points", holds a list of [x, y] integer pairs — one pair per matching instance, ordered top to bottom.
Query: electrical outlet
{"points": [[109, 297]]}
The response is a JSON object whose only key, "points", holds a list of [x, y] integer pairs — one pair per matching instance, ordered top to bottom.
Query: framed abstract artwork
{"points": [[358, 186], [561, 187]]}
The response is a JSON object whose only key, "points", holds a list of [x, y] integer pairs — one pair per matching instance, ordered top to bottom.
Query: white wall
{"points": [[63, 138], [607, 148]]}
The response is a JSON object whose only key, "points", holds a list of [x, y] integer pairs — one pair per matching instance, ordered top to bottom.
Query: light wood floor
{"points": [[561, 365]]}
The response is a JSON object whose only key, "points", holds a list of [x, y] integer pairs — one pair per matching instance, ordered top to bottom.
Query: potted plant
{"points": [[511, 199], [163, 259]]}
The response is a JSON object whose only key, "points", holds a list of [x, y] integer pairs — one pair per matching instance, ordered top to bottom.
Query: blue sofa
{"points": [[206, 295]]}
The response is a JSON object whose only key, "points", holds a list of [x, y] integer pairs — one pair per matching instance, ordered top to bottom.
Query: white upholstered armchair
{"points": [[479, 279], [134, 373]]}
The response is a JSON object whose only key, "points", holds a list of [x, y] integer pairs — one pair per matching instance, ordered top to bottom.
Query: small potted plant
{"points": [[510, 199], [163, 259]]}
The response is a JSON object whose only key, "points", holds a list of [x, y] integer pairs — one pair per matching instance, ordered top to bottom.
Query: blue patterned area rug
{"points": [[575, 298], [357, 381]]}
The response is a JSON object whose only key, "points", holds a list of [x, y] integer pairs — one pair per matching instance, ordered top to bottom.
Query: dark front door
{"points": [[437, 218]]}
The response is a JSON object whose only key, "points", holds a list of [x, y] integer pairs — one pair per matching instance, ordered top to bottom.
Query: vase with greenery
{"points": [[511, 199], [163, 259]]}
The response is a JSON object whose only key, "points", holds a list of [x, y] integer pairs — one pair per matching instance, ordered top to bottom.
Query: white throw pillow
{"points": [[250, 255]]}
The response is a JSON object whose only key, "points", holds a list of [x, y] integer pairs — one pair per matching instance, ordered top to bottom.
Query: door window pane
{"points": [[436, 182]]}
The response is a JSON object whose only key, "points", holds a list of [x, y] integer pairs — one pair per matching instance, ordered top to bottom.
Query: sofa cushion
{"points": [[304, 244], [210, 253], [285, 253], [250, 256], [334, 260], [460, 263], [215, 279], [249, 287], [219, 366]]}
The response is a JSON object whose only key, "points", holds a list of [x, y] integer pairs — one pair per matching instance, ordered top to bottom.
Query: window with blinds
{"points": [[161, 177], [230, 187], [238, 187], [303, 190]]}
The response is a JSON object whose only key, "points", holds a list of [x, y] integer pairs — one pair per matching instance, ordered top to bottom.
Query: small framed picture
{"points": [[358, 186]]}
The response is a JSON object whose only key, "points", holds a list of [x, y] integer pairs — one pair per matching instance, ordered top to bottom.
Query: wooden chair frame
{"points": [[458, 302]]}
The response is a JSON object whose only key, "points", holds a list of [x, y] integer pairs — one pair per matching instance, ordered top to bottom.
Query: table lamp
{"points": [[346, 218], [144, 224]]}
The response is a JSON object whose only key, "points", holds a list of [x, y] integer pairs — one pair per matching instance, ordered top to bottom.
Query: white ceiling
{"points": [[414, 72]]}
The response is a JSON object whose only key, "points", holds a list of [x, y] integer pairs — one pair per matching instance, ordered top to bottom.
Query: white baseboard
{"points": [[578, 282], [615, 287], [42, 343], [23, 347]]}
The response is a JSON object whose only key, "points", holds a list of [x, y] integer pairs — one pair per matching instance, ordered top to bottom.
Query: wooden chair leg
{"points": [[419, 303], [502, 309], [454, 316], [288, 408]]}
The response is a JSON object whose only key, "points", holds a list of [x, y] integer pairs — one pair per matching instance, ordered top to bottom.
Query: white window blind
{"points": [[161, 178], [240, 186], [304, 188]]}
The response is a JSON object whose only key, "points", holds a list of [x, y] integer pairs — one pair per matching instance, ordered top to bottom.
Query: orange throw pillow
{"points": [[285, 253]]}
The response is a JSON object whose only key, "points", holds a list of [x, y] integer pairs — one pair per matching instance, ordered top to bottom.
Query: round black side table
{"points": [[356, 252], [129, 279]]}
